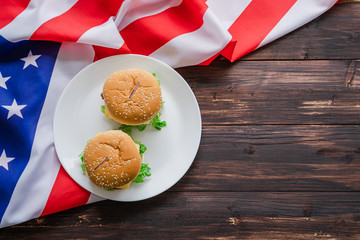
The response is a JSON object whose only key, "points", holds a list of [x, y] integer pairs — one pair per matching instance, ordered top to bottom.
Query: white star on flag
{"points": [[30, 60], [3, 81], [14, 109], [4, 160]]}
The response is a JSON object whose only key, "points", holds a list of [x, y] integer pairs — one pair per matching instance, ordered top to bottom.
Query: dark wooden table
{"points": [[279, 155]]}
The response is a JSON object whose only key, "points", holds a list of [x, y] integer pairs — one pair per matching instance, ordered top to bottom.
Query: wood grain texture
{"points": [[333, 35], [277, 92], [276, 158], [210, 215]]}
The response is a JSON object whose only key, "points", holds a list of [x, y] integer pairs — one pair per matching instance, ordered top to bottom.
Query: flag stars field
{"points": [[30, 60], [26, 70], [3, 81], [14, 109], [4, 160]]}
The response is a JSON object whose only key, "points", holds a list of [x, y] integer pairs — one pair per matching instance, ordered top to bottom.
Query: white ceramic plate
{"points": [[170, 152]]}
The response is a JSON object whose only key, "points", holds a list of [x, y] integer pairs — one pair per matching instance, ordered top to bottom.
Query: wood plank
{"points": [[333, 35], [277, 92], [276, 158], [205, 215]]}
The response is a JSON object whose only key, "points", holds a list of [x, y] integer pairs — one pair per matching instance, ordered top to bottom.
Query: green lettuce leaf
{"points": [[154, 74], [157, 123], [142, 148], [82, 165], [144, 172]]}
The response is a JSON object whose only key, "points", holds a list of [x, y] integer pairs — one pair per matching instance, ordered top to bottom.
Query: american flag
{"points": [[45, 43]]}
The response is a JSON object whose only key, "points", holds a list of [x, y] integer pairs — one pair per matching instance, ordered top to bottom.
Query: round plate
{"points": [[170, 152]]}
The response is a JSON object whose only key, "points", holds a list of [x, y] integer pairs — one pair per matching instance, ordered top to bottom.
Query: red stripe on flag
{"points": [[10, 10], [84, 15], [249, 30], [147, 34], [102, 52], [208, 61], [65, 194]]}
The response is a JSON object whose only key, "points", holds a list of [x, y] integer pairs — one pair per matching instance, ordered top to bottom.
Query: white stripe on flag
{"points": [[132, 10], [227, 11], [302, 12], [36, 13], [105, 35], [195, 47], [34, 186], [94, 198]]}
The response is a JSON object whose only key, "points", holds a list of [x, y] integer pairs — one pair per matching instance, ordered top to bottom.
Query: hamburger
{"points": [[132, 97], [112, 160]]}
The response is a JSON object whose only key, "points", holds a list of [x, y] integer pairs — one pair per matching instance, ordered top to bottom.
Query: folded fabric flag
{"points": [[45, 43]]}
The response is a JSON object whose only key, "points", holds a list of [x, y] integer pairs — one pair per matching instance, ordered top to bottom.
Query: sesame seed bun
{"points": [[144, 103], [122, 159]]}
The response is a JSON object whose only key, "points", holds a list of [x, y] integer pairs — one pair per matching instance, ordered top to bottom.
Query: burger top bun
{"points": [[144, 103], [112, 159]]}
